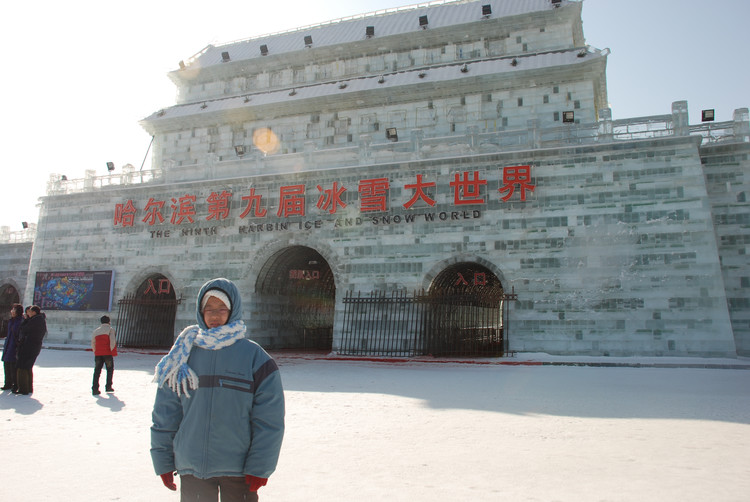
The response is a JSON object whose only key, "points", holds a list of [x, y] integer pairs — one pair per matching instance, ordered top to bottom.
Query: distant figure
{"points": [[30, 337], [103, 343], [10, 349], [218, 417]]}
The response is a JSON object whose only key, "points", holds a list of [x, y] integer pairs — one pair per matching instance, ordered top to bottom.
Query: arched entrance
{"points": [[296, 292], [8, 296], [464, 314], [146, 317]]}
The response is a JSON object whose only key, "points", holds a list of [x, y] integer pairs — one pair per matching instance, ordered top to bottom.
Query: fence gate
{"points": [[146, 322], [444, 323], [381, 324], [460, 324]]}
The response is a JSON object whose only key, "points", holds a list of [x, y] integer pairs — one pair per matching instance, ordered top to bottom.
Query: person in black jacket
{"points": [[30, 337], [10, 347]]}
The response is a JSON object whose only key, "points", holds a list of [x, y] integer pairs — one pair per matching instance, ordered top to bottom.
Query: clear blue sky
{"points": [[79, 75]]}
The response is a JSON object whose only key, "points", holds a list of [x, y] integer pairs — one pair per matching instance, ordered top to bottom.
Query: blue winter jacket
{"points": [[11, 340], [233, 423]]}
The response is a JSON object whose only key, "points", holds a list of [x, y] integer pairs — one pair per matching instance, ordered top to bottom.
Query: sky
{"points": [[79, 75], [408, 432]]}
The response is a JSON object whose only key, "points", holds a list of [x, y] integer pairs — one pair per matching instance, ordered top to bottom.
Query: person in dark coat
{"points": [[31, 334], [11, 346]]}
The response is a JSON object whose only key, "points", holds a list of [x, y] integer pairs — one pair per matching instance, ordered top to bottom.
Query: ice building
{"points": [[438, 179]]}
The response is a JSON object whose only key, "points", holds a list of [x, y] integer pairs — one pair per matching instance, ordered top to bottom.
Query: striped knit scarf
{"points": [[173, 368]]}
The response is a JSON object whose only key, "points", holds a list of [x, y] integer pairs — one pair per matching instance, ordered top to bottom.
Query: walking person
{"points": [[31, 334], [103, 343], [10, 348], [218, 417]]}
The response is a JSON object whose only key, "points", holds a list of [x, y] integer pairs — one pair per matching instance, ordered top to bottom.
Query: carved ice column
{"points": [[680, 119], [742, 125], [606, 132]]}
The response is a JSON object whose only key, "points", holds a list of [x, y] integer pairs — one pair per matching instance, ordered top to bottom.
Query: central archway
{"points": [[296, 290]]}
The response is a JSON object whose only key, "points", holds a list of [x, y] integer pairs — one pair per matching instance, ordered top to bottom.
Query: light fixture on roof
{"points": [[486, 11], [423, 22], [369, 31], [308, 41], [264, 50], [582, 53], [224, 57], [514, 62], [182, 65], [465, 68], [422, 74], [381, 79], [342, 85], [293, 92], [247, 99], [204, 106], [707, 115], [569, 117], [391, 133], [239, 150], [110, 166], [63, 178], [25, 224]]}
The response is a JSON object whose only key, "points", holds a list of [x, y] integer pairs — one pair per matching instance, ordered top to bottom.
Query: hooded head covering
{"points": [[215, 287], [173, 369]]}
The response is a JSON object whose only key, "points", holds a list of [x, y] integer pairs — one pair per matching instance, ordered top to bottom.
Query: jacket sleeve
{"points": [[112, 339], [166, 418], [266, 421]]}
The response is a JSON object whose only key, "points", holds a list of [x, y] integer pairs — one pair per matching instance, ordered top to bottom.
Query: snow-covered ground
{"points": [[367, 431]]}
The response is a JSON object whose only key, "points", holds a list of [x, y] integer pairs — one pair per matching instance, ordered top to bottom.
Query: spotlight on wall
{"points": [[423, 22], [369, 31], [308, 41], [264, 50], [224, 57], [514, 62], [464, 69], [707, 116], [569, 117], [391, 133], [239, 150], [110, 166], [24, 224]]}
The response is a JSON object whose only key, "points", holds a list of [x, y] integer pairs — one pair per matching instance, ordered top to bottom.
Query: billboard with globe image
{"points": [[77, 290]]}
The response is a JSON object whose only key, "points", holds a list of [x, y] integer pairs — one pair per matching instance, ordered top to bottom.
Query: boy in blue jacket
{"points": [[218, 417]]}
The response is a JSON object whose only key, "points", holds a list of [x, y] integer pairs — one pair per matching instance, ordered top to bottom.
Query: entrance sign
{"points": [[467, 187]]}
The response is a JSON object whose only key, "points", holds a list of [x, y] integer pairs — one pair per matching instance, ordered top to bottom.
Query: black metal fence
{"points": [[146, 323], [448, 323], [381, 324]]}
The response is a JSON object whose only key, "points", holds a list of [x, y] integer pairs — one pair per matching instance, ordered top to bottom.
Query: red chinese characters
{"points": [[518, 176], [468, 188], [373, 195], [330, 199]]}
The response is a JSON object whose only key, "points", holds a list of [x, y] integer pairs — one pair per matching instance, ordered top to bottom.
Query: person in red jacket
{"points": [[103, 345]]}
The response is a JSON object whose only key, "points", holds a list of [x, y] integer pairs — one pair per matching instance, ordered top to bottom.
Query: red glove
{"points": [[168, 479], [254, 482]]}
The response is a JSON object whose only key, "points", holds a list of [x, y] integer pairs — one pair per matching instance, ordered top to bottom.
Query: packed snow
{"points": [[407, 431]]}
